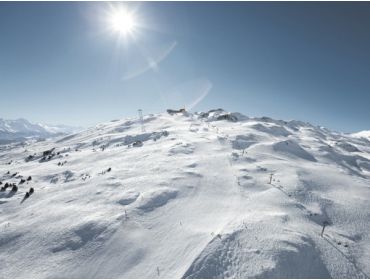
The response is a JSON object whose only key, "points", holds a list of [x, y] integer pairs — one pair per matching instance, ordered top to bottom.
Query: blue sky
{"points": [[61, 63]]}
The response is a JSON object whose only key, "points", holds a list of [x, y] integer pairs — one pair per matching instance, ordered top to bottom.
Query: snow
{"points": [[60, 128], [21, 130], [362, 134], [291, 148], [128, 197], [202, 197], [153, 199]]}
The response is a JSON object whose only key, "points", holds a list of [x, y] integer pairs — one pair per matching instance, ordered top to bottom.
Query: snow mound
{"points": [[273, 130], [242, 142], [347, 147], [181, 148], [292, 148], [353, 163], [128, 197], [153, 199], [79, 236], [234, 255]]}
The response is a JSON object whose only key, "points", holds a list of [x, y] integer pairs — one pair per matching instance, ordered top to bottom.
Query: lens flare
{"points": [[122, 22]]}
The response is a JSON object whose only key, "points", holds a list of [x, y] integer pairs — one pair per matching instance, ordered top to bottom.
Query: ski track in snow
{"points": [[196, 197]]}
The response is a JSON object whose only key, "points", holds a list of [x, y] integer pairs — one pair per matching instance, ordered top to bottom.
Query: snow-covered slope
{"points": [[21, 129], [56, 129], [362, 134], [204, 195]]}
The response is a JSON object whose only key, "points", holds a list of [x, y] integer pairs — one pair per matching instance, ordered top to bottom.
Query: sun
{"points": [[122, 22]]}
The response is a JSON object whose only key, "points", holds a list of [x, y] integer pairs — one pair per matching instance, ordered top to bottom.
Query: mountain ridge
{"points": [[21, 129]]}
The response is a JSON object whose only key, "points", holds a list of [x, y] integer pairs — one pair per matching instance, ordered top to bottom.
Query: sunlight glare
{"points": [[122, 22]]}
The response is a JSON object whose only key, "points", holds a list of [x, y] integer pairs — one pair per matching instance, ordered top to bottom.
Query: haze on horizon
{"points": [[80, 63]]}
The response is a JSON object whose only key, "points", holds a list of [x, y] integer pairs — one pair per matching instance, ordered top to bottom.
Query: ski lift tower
{"points": [[141, 120]]}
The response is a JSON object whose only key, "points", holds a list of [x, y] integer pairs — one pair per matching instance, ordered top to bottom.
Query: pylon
{"points": [[141, 120]]}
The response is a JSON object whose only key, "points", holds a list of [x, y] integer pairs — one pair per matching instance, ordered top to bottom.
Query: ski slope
{"points": [[203, 195]]}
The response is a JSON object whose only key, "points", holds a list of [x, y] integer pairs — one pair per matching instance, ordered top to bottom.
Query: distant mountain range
{"points": [[21, 129]]}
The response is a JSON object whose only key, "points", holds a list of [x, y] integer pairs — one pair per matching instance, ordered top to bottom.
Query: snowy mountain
{"points": [[21, 129], [362, 134], [204, 195]]}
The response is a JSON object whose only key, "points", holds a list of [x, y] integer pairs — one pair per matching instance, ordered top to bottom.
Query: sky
{"points": [[64, 63]]}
